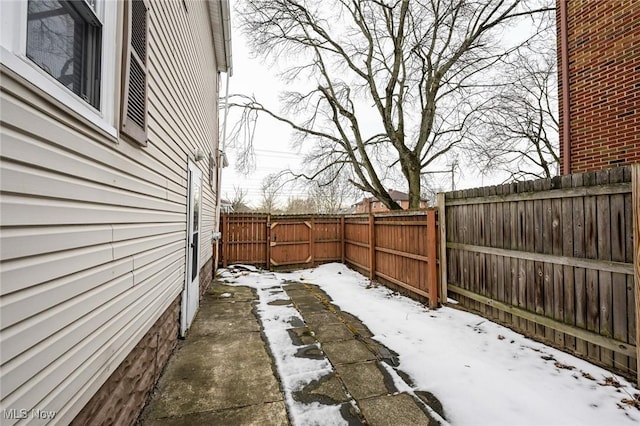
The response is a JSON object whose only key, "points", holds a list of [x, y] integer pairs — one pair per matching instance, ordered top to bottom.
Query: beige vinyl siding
{"points": [[181, 94], [93, 229]]}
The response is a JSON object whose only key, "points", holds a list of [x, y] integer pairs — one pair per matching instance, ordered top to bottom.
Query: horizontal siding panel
{"points": [[180, 40], [164, 84], [14, 87], [168, 102], [172, 129], [167, 147], [21, 148], [127, 158], [39, 183], [177, 192], [20, 211], [206, 230], [128, 232], [22, 242], [131, 247], [162, 252], [206, 252], [155, 268], [22, 273], [23, 304], [131, 312], [27, 334], [45, 365]]}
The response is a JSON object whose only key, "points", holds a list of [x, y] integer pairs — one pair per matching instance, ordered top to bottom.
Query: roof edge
{"points": [[220, 16]]}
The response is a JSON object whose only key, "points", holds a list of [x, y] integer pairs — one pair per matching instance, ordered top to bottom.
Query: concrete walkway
{"points": [[223, 372]]}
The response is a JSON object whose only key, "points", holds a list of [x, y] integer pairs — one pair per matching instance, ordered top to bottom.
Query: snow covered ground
{"points": [[482, 372]]}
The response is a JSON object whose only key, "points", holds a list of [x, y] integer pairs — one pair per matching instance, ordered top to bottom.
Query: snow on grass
{"points": [[483, 373]]}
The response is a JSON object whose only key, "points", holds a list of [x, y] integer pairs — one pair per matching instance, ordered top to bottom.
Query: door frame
{"points": [[189, 309]]}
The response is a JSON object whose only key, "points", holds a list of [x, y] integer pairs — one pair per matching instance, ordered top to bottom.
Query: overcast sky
{"points": [[272, 139]]}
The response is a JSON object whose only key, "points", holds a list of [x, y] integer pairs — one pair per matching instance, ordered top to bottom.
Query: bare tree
{"points": [[382, 88], [520, 123], [271, 187], [332, 196], [238, 200], [297, 205]]}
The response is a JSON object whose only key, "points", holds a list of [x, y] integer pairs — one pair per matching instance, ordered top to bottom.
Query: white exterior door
{"points": [[191, 293]]}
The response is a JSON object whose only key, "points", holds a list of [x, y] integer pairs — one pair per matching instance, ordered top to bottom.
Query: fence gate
{"points": [[280, 241], [291, 242]]}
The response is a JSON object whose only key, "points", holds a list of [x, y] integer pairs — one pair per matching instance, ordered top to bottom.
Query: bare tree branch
{"points": [[421, 66]]}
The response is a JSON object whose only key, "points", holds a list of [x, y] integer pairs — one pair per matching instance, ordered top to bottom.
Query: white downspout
{"points": [[225, 13], [219, 168]]}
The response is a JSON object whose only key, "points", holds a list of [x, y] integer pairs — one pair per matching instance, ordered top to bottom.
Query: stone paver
{"points": [[319, 318], [332, 333], [301, 336], [347, 351], [364, 379], [187, 385], [328, 390], [392, 410]]}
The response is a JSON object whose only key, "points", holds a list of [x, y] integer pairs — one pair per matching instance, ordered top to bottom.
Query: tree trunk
{"points": [[414, 189]]}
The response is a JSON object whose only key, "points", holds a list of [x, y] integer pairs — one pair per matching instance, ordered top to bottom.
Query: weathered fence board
{"points": [[551, 259]]}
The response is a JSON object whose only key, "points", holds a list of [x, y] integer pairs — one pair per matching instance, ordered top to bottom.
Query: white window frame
{"points": [[13, 47]]}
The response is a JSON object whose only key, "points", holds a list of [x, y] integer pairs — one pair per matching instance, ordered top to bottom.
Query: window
{"points": [[64, 39], [67, 50], [134, 106]]}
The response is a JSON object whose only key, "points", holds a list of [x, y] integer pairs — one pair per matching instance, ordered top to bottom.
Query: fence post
{"points": [[635, 198], [442, 227], [267, 238], [342, 238], [225, 240], [312, 240], [372, 246], [432, 269]]}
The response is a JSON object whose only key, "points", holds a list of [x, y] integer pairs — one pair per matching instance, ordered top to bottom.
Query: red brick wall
{"points": [[604, 83], [371, 206]]}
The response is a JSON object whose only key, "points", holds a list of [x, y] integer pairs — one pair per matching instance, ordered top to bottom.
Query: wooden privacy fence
{"points": [[280, 240], [394, 248], [397, 249], [551, 258]]}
